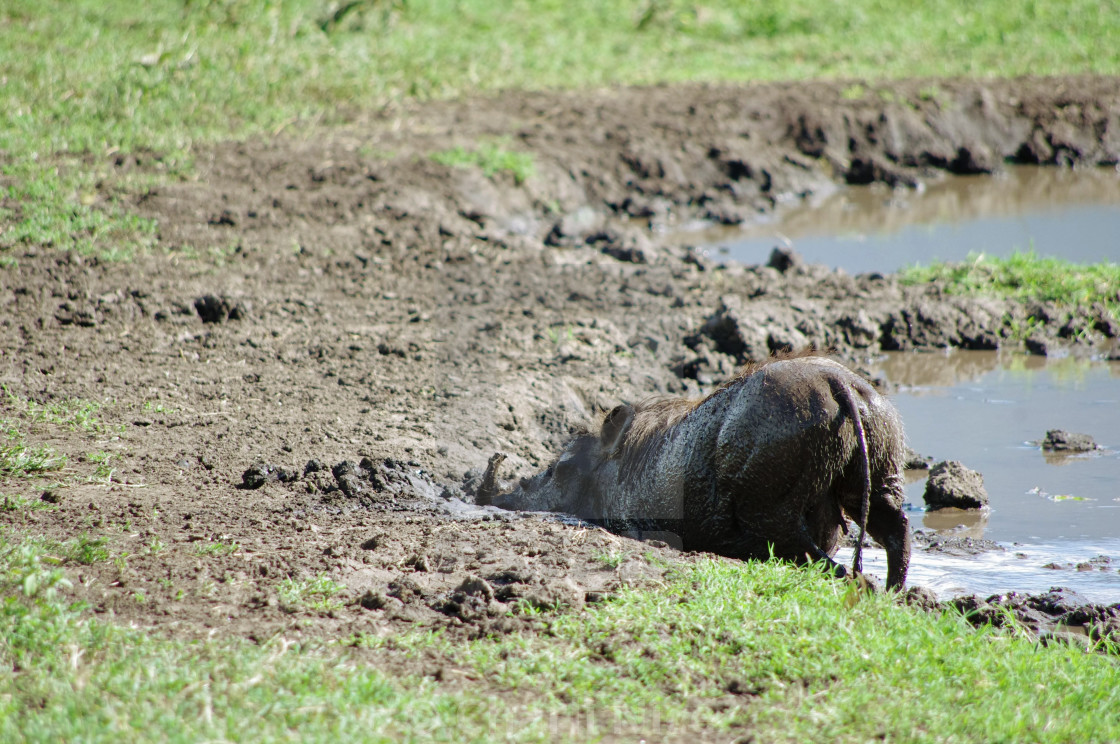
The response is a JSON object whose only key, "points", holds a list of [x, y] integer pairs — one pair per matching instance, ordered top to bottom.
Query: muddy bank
{"points": [[342, 296], [1057, 616]]}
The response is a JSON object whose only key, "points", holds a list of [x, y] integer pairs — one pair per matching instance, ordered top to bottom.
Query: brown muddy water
{"points": [[1057, 212], [1054, 515]]}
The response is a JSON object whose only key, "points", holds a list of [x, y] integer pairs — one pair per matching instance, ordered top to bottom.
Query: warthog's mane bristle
{"points": [[750, 368], [656, 416]]}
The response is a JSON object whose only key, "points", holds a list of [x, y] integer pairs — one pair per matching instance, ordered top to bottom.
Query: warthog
{"points": [[769, 463]]}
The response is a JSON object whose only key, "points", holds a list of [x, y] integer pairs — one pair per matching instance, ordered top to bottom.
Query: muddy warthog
{"points": [[769, 462]]}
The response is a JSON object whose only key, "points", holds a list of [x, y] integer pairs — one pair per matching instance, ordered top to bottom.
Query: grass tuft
{"points": [[491, 159], [1026, 276], [73, 413], [18, 460], [217, 548], [319, 594]]}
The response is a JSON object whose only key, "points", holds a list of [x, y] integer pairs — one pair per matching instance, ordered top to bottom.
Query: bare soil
{"points": [[339, 297]]}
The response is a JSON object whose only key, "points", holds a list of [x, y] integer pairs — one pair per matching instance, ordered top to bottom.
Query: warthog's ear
{"points": [[615, 426]]}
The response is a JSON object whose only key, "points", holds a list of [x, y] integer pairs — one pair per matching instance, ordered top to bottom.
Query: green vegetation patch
{"points": [[490, 159], [1025, 276], [73, 413], [23, 419], [17, 459], [318, 594], [722, 650]]}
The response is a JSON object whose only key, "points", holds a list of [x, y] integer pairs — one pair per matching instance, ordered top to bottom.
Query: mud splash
{"points": [[1089, 567]]}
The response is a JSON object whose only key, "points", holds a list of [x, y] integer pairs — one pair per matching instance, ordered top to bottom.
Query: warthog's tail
{"points": [[847, 396]]}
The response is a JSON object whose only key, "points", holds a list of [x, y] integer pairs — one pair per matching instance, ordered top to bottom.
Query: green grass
{"points": [[88, 81], [491, 159], [1026, 276], [156, 407], [73, 413], [24, 417], [19, 460], [21, 502], [217, 548], [609, 558], [319, 594], [723, 650]]}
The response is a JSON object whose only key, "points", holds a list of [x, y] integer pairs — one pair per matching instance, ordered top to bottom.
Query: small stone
{"points": [[783, 259]]}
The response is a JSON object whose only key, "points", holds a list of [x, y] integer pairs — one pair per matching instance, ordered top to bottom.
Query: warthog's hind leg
{"points": [[798, 548], [812, 553]]}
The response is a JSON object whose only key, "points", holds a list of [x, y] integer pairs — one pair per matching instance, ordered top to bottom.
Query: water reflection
{"points": [[1018, 190], [1068, 214], [946, 368], [938, 369], [1060, 459], [957, 522]]}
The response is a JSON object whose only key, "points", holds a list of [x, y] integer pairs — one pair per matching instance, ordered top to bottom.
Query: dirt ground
{"points": [[360, 328]]}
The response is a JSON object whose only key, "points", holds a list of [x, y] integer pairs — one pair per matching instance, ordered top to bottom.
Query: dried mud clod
{"points": [[214, 309], [916, 461], [261, 473], [952, 485]]}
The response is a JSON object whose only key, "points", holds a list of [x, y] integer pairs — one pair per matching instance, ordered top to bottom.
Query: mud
{"points": [[338, 297], [1057, 616]]}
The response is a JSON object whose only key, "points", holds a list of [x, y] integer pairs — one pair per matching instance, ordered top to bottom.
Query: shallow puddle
{"points": [[1067, 214], [988, 410]]}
